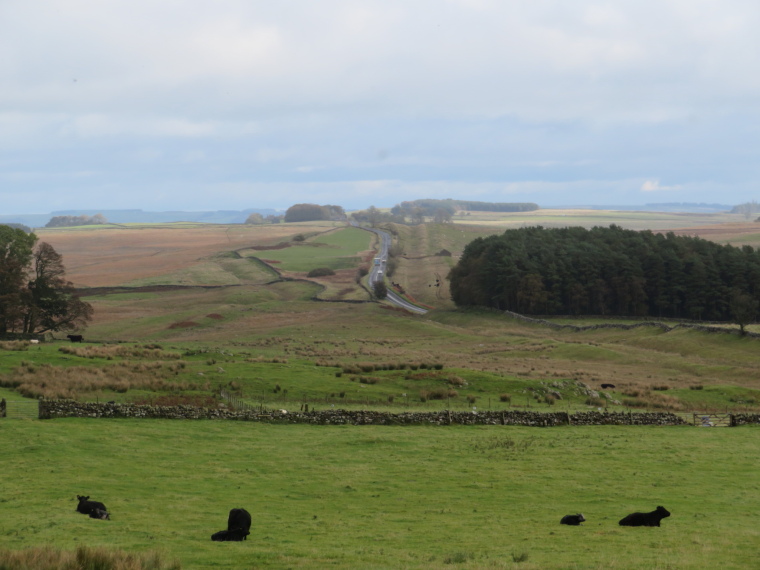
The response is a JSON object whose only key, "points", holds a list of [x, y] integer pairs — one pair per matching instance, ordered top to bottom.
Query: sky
{"points": [[235, 104]]}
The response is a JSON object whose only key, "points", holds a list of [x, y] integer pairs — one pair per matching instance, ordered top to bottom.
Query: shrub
{"points": [[320, 272], [14, 345], [49, 558], [458, 558]]}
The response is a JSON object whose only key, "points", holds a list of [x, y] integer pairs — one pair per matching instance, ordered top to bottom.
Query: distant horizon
{"points": [[578, 206]]}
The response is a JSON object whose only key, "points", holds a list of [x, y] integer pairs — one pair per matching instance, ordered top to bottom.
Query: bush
{"points": [[320, 272], [380, 289], [48, 558]]}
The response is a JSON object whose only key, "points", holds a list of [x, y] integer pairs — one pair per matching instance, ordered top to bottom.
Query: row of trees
{"points": [[429, 207], [314, 212], [257, 219], [83, 220], [606, 271], [35, 296]]}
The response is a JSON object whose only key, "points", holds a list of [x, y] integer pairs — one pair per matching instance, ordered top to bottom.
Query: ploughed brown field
{"points": [[115, 256]]}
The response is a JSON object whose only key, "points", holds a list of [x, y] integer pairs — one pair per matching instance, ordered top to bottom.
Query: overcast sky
{"points": [[234, 104]]}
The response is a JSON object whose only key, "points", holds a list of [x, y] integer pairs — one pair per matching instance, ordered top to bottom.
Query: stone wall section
{"points": [[50, 409]]}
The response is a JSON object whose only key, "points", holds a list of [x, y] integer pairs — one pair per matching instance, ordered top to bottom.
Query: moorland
{"points": [[182, 310]]}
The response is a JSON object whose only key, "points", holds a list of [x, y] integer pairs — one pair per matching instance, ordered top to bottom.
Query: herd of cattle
{"points": [[634, 519], [238, 521]]}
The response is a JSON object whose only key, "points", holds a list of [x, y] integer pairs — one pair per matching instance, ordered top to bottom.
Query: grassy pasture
{"points": [[634, 220], [337, 250], [322, 360], [376, 497]]}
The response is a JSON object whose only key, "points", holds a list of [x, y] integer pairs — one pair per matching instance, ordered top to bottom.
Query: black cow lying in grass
{"points": [[75, 337], [607, 386], [88, 507], [100, 514], [645, 519], [574, 520], [238, 527], [237, 534]]}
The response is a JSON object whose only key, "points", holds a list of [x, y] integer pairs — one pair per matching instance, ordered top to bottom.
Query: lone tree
{"points": [[380, 289], [35, 296], [743, 309]]}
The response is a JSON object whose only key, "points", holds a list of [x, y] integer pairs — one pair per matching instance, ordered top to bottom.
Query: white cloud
{"points": [[654, 186]]}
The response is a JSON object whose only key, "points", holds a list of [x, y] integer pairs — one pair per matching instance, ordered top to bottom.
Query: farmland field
{"points": [[182, 310], [377, 497]]}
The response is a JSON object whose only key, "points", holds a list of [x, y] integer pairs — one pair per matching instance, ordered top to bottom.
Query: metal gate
{"points": [[22, 409], [713, 420]]}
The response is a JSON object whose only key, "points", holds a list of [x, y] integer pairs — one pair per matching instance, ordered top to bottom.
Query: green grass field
{"points": [[336, 250], [376, 497]]}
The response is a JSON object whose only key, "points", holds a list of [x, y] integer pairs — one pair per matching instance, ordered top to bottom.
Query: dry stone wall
{"points": [[68, 408], [745, 419]]}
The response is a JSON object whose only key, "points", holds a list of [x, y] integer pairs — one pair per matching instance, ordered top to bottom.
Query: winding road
{"points": [[377, 273]]}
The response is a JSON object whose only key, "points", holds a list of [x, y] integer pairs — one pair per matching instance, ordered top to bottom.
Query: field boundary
{"points": [[654, 324], [50, 409]]}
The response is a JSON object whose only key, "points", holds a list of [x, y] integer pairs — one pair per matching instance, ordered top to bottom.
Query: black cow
{"points": [[75, 337], [605, 386], [86, 506], [100, 514], [645, 519], [574, 520], [238, 527], [229, 535]]}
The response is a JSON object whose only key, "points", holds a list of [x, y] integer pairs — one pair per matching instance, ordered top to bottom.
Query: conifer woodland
{"points": [[608, 271]]}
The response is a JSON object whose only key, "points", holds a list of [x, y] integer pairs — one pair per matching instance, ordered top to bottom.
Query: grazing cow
{"points": [[75, 337], [605, 386], [86, 506], [100, 514], [645, 519], [574, 520], [238, 527]]}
